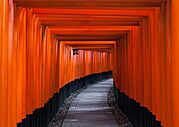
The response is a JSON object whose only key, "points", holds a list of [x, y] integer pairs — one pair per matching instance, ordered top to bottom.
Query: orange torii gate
{"points": [[139, 37]]}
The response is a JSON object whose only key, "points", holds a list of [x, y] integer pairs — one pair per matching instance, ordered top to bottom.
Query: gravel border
{"points": [[121, 118]]}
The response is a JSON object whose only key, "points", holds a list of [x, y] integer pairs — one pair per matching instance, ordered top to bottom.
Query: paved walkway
{"points": [[90, 108]]}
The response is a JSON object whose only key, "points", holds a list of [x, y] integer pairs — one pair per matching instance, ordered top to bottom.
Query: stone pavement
{"points": [[90, 108]]}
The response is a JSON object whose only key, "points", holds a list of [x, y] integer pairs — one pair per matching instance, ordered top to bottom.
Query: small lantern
{"points": [[75, 51]]}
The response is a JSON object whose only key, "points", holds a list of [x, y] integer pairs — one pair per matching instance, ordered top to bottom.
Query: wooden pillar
{"points": [[175, 61]]}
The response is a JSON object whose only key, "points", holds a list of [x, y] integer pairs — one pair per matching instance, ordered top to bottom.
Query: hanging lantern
{"points": [[75, 51]]}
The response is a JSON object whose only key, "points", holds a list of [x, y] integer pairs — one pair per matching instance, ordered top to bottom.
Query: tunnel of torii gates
{"points": [[137, 39]]}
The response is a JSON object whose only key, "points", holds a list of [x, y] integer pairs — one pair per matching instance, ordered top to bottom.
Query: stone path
{"points": [[90, 108]]}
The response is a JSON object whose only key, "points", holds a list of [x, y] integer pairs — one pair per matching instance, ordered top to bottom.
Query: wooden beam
{"points": [[87, 4], [94, 12], [87, 17], [90, 23], [100, 27], [87, 32], [89, 38], [91, 42], [91, 45], [98, 50]]}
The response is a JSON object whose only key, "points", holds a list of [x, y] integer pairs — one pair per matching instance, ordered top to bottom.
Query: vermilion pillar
{"points": [[175, 61]]}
